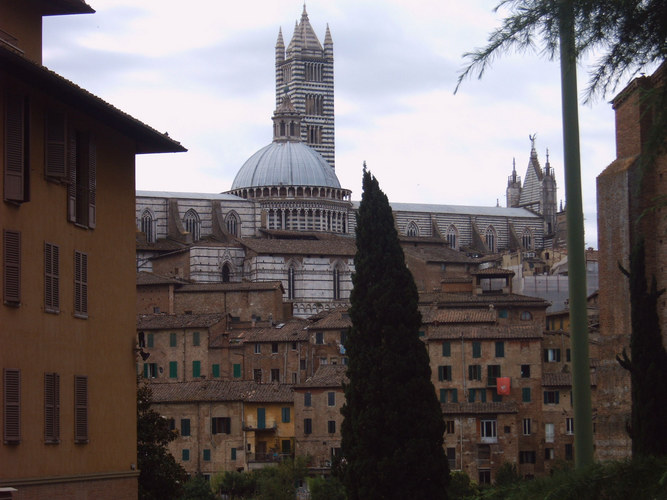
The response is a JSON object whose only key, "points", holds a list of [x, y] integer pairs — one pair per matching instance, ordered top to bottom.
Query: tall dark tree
{"points": [[647, 363], [392, 432], [160, 477]]}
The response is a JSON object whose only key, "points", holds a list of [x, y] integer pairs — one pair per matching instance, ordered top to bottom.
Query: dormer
{"points": [[21, 23]]}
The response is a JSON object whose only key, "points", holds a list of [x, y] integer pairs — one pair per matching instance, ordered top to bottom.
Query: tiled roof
{"points": [[161, 245], [339, 246], [437, 254], [492, 271], [146, 278], [230, 287], [452, 299], [478, 315], [336, 319], [167, 321], [290, 331], [468, 332], [326, 376], [559, 379], [220, 390], [474, 408]]}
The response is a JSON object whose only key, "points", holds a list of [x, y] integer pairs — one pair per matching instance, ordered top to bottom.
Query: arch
{"points": [[232, 222], [192, 224], [148, 225], [412, 229], [452, 236], [491, 237], [527, 239], [226, 272], [291, 281]]}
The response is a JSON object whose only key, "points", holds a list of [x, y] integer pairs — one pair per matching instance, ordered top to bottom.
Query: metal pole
{"points": [[581, 385]]}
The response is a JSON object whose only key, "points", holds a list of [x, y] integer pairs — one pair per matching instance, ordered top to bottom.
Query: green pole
{"points": [[581, 384]]}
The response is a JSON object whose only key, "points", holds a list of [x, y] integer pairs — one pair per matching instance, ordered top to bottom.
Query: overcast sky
{"points": [[204, 71]]}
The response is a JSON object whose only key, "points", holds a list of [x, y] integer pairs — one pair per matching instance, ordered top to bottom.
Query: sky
{"points": [[205, 73]]}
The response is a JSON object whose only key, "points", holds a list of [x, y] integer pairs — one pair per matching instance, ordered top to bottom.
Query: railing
{"points": [[269, 457]]}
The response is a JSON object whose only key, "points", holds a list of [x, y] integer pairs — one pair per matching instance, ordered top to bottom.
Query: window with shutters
{"points": [[17, 147], [55, 161], [82, 178], [11, 269], [51, 278], [80, 284], [446, 349], [173, 369], [236, 370], [474, 372], [493, 372], [445, 373], [331, 398], [12, 406], [51, 408], [80, 409], [286, 415], [221, 425], [307, 425], [185, 427], [331, 427]]}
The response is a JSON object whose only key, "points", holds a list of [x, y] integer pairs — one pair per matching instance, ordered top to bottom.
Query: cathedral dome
{"points": [[286, 163]]}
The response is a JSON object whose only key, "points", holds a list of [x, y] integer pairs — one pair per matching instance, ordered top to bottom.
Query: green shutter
{"points": [[195, 338], [151, 340], [172, 340], [446, 349], [500, 349], [476, 350], [173, 369], [196, 369], [237, 370], [216, 371], [146, 373], [525, 394], [443, 395], [455, 395], [483, 395], [286, 415], [261, 418], [233, 453], [185, 455], [207, 455]]}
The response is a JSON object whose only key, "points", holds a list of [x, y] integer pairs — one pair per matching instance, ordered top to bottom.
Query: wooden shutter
{"points": [[55, 146], [14, 148], [71, 175], [92, 180], [11, 266], [51, 277], [80, 284], [12, 405], [51, 407], [80, 409]]}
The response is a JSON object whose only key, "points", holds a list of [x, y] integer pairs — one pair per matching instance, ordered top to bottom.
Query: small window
{"points": [[16, 161], [81, 186], [192, 224], [11, 267], [51, 278], [80, 284], [502, 313], [526, 316], [195, 338], [319, 338], [150, 340], [172, 340], [274, 347], [258, 348], [446, 349], [476, 349], [500, 349], [552, 355], [173, 369], [196, 369], [215, 369], [236, 370], [525, 371], [474, 372], [493, 372], [444, 373], [275, 374], [525, 395], [449, 396], [551, 397], [331, 398], [307, 399], [12, 405], [80, 409], [286, 415], [527, 423], [221, 425], [307, 425], [569, 425], [331, 426], [449, 426], [185, 427], [489, 430], [549, 433], [569, 452], [233, 454], [549, 454], [185, 455], [207, 455], [527, 457], [484, 476]]}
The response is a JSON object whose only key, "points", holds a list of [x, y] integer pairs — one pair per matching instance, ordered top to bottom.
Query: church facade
{"points": [[287, 218]]}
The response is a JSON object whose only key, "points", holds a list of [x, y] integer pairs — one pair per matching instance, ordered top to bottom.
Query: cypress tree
{"points": [[647, 363], [392, 432]]}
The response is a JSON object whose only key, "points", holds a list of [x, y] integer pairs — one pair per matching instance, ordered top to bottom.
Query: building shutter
{"points": [[55, 145], [14, 148], [71, 175], [92, 180], [12, 266], [51, 277], [80, 284], [12, 405], [51, 407], [80, 409]]}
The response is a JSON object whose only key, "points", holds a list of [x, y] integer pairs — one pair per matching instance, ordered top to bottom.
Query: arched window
{"points": [[232, 223], [192, 224], [148, 226], [413, 229], [452, 236], [491, 239], [527, 239], [226, 273], [290, 283], [336, 283], [526, 316]]}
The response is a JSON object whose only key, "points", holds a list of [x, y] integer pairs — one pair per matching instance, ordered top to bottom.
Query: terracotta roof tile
{"points": [[437, 254], [456, 299], [433, 315], [335, 319], [167, 321], [290, 331], [468, 332], [326, 376], [559, 379], [220, 390]]}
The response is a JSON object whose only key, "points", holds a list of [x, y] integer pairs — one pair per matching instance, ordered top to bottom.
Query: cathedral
{"points": [[287, 218]]}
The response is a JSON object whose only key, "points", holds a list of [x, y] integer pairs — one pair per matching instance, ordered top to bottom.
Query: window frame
{"points": [[80, 284], [81, 429]]}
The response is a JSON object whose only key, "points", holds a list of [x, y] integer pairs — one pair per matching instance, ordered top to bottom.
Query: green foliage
{"points": [[648, 363], [393, 426], [507, 474], [160, 477], [640, 478], [279, 482], [235, 484], [461, 487], [197, 488], [329, 488]]}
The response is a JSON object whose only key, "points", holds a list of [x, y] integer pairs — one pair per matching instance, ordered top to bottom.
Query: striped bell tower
{"points": [[305, 73]]}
